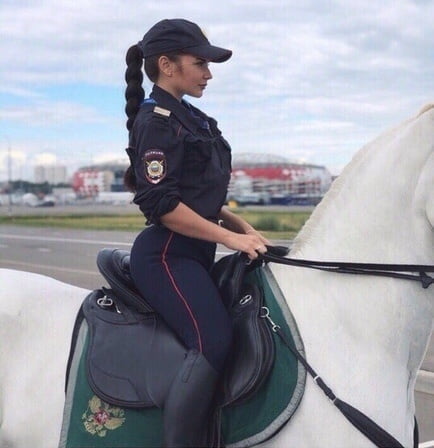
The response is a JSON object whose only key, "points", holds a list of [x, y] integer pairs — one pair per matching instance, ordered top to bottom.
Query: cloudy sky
{"points": [[312, 80]]}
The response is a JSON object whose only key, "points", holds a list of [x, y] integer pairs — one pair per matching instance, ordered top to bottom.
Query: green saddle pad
{"points": [[88, 422]]}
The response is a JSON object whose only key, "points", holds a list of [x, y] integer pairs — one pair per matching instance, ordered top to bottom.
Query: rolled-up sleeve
{"points": [[158, 167]]}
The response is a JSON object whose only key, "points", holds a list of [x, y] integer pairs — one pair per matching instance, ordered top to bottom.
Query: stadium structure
{"points": [[269, 178], [256, 179]]}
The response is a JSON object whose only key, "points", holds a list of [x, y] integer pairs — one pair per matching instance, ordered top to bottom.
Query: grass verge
{"points": [[274, 224]]}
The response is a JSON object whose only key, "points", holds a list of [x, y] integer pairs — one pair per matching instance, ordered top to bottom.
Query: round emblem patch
{"points": [[154, 165]]}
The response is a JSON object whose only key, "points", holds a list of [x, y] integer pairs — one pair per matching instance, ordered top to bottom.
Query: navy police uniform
{"points": [[179, 155]]}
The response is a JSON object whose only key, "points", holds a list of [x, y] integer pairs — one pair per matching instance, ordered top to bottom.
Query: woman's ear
{"points": [[165, 65]]}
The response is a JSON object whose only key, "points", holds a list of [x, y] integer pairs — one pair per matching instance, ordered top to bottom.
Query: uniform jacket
{"points": [[178, 155]]}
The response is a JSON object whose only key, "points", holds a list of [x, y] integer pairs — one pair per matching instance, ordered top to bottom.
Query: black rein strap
{"points": [[378, 269], [362, 422]]}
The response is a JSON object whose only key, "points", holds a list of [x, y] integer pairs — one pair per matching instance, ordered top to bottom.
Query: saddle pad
{"points": [[89, 422]]}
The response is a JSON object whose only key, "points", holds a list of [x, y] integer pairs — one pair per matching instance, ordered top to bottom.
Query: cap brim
{"points": [[210, 53]]}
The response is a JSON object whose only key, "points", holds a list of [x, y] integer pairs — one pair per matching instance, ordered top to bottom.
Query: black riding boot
{"points": [[187, 407]]}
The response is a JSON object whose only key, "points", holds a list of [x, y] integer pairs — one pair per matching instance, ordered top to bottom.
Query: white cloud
{"points": [[314, 79], [19, 91], [51, 113], [73, 151], [16, 157], [110, 157], [45, 158], [12, 163]]}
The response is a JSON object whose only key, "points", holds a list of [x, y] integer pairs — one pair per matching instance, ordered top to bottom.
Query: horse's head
{"points": [[381, 208]]}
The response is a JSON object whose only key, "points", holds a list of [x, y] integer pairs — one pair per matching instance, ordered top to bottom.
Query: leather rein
{"points": [[276, 254], [401, 271]]}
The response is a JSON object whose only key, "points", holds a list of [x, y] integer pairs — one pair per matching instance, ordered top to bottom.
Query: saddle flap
{"points": [[228, 275], [252, 354], [131, 357]]}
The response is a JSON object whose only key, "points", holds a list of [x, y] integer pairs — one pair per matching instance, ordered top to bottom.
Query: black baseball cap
{"points": [[180, 34]]}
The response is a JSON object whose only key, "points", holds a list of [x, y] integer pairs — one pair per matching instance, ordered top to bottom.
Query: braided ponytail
{"points": [[134, 95]]}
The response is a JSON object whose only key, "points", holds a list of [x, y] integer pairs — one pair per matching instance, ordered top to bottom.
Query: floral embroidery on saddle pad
{"points": [[100, 417]]}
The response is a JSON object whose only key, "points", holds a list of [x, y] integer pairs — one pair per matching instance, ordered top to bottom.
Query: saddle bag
{"points": [[132, 356]]}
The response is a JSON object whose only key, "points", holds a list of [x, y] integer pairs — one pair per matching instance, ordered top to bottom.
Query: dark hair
{"points": [[151, 63], [134, 93]]}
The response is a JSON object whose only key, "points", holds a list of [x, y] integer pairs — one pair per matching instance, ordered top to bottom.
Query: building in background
{"points": [[53, 174], [267, 178], [256, 179], [89, 181]]}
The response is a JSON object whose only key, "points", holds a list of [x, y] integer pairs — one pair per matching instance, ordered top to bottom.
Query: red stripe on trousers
{"points": [[180, 295]]}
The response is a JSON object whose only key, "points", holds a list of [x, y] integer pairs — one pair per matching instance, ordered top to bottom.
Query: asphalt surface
{"points": [[69, 256]]}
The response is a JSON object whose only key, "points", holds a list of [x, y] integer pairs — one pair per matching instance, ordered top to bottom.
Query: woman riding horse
{"points": [[180, 171]]}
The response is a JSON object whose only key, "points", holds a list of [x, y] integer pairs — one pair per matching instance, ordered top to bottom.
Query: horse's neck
{"points": [[373, 213], [367, 215], [368, 335], [365, 336]]}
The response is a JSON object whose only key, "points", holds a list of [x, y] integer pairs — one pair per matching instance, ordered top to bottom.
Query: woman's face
{"points": [[189, 76]]}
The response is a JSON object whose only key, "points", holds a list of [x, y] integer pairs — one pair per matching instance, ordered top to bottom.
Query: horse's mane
{"points": [[344, 178]]}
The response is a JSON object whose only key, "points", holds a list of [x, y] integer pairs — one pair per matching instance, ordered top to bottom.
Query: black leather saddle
{"points": [[132, 356]]}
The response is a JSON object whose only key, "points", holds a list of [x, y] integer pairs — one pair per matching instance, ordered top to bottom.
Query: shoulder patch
{"points": [[161, 111], [154, 165]]}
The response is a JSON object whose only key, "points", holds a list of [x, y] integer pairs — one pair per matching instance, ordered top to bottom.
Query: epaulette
{"points": [[161, 111]]}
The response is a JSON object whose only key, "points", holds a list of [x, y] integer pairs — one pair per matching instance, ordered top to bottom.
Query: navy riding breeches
{"points": [[172, 272]]}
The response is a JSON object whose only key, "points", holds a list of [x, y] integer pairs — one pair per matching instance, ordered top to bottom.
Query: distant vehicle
{"points": [[116, 198], [252, 198], [29, 199], [280, 199], [305, 199], [32, 200], [47, 201]]}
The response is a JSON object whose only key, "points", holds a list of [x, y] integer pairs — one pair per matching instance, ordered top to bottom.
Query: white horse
{"points": [[366, 336]]}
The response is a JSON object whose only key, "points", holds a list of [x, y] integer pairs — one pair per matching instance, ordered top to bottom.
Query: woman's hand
{"points": [[252, 231], [242, 235], [252, 243]]}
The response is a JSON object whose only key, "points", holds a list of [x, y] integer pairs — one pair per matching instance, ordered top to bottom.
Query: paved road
{"points": [[69, 256]]}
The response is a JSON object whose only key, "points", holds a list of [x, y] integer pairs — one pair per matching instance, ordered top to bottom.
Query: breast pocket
{"points": [[198, 156]]}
